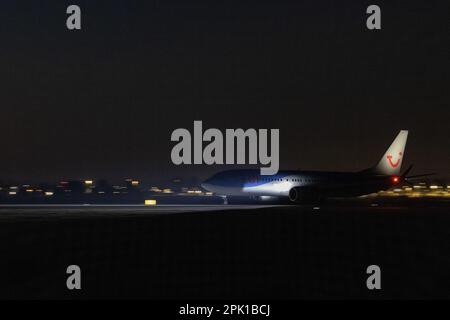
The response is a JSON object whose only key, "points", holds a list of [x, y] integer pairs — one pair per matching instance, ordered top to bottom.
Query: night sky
{"points": [[102, 102]]}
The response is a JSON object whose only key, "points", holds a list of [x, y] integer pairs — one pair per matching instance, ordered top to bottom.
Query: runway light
{"points": [[88, 182], [135, 183], [433, 187], [12, 193], [48, 193], [415, 195], [151, 202]]}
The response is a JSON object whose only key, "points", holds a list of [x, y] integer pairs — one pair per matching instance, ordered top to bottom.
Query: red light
{"points": [[395, 179]]}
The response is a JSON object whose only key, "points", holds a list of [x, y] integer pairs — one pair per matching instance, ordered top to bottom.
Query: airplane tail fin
{"points": [[391, 162]]}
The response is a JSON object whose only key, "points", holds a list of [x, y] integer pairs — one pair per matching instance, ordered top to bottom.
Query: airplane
{"points": [[314, 186]]}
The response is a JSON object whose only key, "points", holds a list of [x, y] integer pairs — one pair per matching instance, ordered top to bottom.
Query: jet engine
{"points": [[303, 195]]}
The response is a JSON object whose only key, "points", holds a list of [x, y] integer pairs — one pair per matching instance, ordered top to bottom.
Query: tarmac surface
{"points": [[227, 251]]}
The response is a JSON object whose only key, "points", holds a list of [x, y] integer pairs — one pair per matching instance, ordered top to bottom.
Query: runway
{"points": [[82, 211], [87, 211], [227, 251]]}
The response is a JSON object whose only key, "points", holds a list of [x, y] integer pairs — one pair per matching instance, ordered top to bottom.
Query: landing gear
{"points": [[225, 200]]}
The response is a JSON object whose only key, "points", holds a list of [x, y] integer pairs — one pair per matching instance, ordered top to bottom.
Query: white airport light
{"points": [[150, 202]]}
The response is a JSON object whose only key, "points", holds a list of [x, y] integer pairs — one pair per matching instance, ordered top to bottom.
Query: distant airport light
{"points": [[395, 179], [88, 182], [135, 182], [433, 187], [29, 190], [12, 193], [48, 193], [150, 202]]}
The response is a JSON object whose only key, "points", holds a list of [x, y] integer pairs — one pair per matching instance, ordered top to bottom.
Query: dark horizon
{"points": [[102, 102]]}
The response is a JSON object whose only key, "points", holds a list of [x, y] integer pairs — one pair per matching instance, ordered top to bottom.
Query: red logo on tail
{"points": [[394, 165]]}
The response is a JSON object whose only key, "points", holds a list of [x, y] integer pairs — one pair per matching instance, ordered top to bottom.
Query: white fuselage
{"points": [[326, 184], [263, 187]]}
